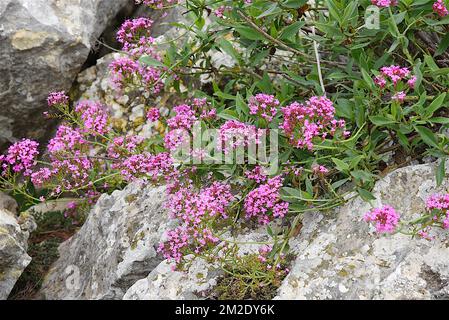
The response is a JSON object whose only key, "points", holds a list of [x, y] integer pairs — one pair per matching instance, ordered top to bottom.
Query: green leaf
{"points": [[294, 4], [273, 9], [291, 31], [249, 33], [444, 44], [227, 47], [149, 61], [241, 105], [435, 105], [228, 114], [381, 120], [427, 136], [341, 165], [441, 172], [364, 176], [365, 194]]}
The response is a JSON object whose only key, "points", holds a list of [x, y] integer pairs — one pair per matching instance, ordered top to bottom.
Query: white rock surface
{"points": [[43, 44], [8, 203], [13, 246], [115, 247], [340, 256], [165, 284]]}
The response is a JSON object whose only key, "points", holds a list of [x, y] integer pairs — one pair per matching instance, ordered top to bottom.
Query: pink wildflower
{"points": [[384, 3], [440, 8], [395, 73], [411, 82], [399, 96], [57, 98], [263, 105], [153, 114], [94, 117], [302, 123], [235, 134], [66, 139], [21, 156], [256, 174], [264, 203], [386, 219]]}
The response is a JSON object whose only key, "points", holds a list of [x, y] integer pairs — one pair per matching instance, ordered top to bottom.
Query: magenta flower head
{"points": [[384, 3], [157, 4], [440, 8], [134, 33], [57, 98], [264, 105], [153, 114], [21, 156], [385, 218]]}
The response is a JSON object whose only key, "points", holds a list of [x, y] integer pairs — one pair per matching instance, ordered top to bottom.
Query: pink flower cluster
{"points": [[384, 3], [157, 4], [440, 8], [220, 11], [135, 33], [128, 72], [395, 74], [57, 98], [264, 105], [202, 109], [153, 114], [93, 116], [302, 123], [179, 126], [235, 134], [66, 139], [122, 146], [21, 156], [145, 164], [319, 170], [74, 172], [256, 175], [264, 202], [439, 202], [194, 209], [385, 218], [263, 253]]}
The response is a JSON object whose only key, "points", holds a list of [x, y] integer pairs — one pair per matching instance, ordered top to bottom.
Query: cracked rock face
{"points": [[43, 44], [13, 246], [115, 247], [341, 257], [165, 284]]}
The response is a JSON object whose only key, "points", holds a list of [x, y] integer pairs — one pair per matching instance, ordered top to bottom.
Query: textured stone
{"points": [[43, 44], [8, 203], [13, 246], [115, 247], [341, 257], [163, 283]]}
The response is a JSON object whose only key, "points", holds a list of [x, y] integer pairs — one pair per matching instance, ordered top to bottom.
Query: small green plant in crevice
{"points": [[53, 229], [252, 276]]}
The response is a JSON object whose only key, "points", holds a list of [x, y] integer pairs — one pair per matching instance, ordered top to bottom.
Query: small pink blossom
{"points": [[440, 8], [399, 96], [264, 105], [153, 114], [264, 203], [385, 218]]}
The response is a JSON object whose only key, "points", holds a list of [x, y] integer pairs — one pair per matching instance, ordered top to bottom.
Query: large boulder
{"points": [[43, 45], [115, 247], [13, 249], [341, 257], [164, 283]]}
